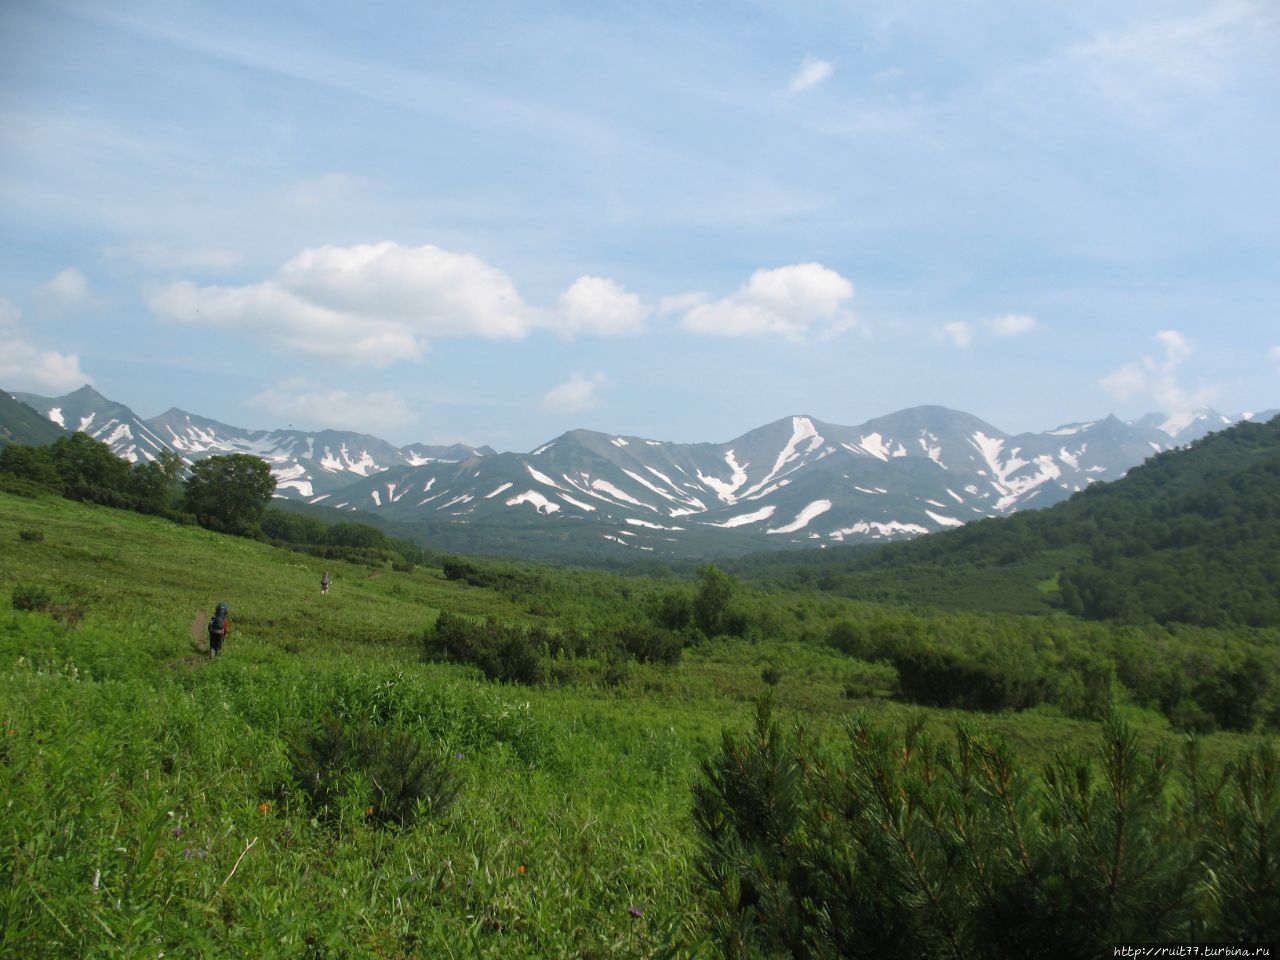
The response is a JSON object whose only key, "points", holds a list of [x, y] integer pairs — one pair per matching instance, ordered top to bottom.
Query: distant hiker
{"points": [[324, 582], [219, 624]]}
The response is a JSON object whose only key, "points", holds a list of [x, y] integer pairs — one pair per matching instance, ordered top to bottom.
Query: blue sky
{"points": [[492, 222]]}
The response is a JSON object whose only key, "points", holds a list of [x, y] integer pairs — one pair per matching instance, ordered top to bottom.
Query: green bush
{"points": [[31, 597], [395, 779], [903, 846]]}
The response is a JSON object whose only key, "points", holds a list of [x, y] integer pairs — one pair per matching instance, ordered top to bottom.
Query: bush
{"points": [[31, 536], [30, 597], [397, 779], [903, 846]]}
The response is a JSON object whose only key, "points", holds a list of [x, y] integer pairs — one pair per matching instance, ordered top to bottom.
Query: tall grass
{"points": [[152, 802]]}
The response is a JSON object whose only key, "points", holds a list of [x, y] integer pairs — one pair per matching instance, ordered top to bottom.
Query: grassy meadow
{"points": [[153, 799]]}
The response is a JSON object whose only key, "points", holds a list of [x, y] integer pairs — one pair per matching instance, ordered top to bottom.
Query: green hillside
{"points": [[20, 424], [1191, 536], [344, 781]]}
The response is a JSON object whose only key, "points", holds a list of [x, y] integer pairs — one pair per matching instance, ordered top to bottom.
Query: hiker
{"points": [[324, 582], [219, 624]]}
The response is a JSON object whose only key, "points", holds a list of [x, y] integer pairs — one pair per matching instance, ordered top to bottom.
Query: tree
{"points": [[89, 470], [156, 482], [230, 493], [711, 601]]}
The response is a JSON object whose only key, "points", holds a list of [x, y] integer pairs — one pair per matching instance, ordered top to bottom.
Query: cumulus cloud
{"points": [[811, 73], [68, 288], [786, 301], [365, 305], [600, 306], [27, 367], [1156, 377], [576, 393], [322, 407]]}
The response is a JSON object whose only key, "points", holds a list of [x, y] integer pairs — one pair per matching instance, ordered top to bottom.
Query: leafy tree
{"points": [[31, 463], [89, 470], [155, 484], [230, 493], [711, 599]]}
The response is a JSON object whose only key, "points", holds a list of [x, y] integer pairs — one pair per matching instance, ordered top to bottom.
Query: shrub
{"points": [[31, 536], [31, 597], [398, 779], [902, 845]]}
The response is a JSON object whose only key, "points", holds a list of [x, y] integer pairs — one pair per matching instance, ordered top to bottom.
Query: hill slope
{"points": [[1190, 536]]}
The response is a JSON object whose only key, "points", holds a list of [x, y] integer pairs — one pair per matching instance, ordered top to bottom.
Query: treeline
{"points": [[228, 494], [1191, 536], [900, 844]]}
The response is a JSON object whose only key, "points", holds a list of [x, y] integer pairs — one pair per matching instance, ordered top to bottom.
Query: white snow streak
{"points": [[541, 477], [504, 487], [726, 490], [539, 502], [815, 509], [764, 513], [945, 521]]}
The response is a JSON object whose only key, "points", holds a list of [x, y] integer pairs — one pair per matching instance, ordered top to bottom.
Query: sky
{"points": [[492, 222]]}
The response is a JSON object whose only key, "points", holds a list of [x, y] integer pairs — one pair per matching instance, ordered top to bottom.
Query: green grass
{"points": [[148, 802]]}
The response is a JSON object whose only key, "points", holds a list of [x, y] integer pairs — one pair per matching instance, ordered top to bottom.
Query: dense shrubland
{"points": [[899, 843]]}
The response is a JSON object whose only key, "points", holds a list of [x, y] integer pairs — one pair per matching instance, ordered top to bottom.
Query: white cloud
{"points": [[811, 73], [68, 288], [788, 301], [366, 305], [600, 306], [1010, 325], [960, 332], [25, 366], [1156, 377], [576, 393], [321, 407]]}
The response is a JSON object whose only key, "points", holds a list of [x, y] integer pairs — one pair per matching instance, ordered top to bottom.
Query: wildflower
{"points": [[264, 807], [369, 812], [177, 831], [520, 869], [635, 912]]}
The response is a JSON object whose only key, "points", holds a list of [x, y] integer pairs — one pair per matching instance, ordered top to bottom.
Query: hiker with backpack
{"points": [[219, 624]]}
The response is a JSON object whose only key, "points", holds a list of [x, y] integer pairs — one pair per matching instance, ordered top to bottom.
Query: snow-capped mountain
{"points": [[304, 464], [797, 480]]}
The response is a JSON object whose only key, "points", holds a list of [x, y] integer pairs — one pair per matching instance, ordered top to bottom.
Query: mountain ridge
{"points": [[794, 481]]}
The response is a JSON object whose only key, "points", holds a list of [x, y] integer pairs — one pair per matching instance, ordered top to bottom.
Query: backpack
{"points": [[218, 624]]}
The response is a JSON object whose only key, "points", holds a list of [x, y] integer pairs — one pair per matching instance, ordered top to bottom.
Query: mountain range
{"points": [[795, 481]]}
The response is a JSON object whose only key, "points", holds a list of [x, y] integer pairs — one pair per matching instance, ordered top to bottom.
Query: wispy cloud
{"points": [[811, 73], [68, 289], [786, 301], [962, 333], [24, 365], [1155, 377], [576, 393], [304, 402]]}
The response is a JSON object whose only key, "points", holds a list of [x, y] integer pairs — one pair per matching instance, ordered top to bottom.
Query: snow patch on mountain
{"points": [[542, 477], [502, 489], [727, 490], [539, 502], [764, 513], [804, 517], [944, 520], [871, 528]]}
